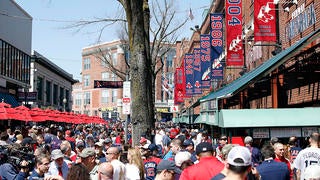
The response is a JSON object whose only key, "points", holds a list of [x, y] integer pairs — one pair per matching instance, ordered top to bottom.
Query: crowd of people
{"points": [[85, 152]]}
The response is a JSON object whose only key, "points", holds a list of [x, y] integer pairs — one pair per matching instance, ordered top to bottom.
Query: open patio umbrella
{"points": [[6, 112], [23, 112], [38, 115]]}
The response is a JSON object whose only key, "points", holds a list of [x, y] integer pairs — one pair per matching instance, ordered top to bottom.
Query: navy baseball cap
{"points": [[188, 142]]}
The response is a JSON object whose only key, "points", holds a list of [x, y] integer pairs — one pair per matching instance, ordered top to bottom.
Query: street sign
{"points": [[126, 99], [126, 105]]}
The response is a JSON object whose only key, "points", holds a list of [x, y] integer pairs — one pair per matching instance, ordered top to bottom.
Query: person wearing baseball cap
{"points": [[189, 146], [88, 158], [150, 161], [238, 163], [208, 165], [58, 166], [166, 170]]}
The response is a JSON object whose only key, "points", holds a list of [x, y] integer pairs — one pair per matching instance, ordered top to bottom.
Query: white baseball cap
{"points": [[241, 153]]}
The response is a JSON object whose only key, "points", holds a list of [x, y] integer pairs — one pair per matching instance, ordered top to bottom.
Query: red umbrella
{"points": [[6, 112], [23, 112], [38, 115], [54, 115]]}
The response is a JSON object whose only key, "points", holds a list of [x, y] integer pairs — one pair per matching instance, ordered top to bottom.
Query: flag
{"points": [[191, 15], [264, 21], [216, 32], [234, 34], [205, 58], [197, 71], [189, 73], [179, 90]]}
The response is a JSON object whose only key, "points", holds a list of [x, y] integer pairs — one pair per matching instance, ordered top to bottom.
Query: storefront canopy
{"points": [[261, 71], [7, 98], [232, 118]]}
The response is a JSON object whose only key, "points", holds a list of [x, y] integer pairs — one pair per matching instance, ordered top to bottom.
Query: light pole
{"points": [[64, 104]]}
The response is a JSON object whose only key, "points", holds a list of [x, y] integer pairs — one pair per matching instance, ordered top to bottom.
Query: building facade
{"points": [[15, 50], [278, 78], [50, 85], [104, 99], [99, 101]]}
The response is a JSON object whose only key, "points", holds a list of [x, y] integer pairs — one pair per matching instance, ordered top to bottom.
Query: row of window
{"points": [[113, 56], [14, 63], [53, 93], [84, 98]]}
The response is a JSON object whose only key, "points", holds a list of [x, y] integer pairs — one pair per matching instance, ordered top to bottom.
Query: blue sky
{"points": [[63, 46]]}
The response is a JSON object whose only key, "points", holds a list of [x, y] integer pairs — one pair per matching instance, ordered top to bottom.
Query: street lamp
{"points": [[64, 104]]}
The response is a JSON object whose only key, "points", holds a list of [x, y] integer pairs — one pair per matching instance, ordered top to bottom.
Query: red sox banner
{"points": [[264, 21], [216, 32], [234, 33], [205, 47], [188, 66], [197, 71], [179, 89]]}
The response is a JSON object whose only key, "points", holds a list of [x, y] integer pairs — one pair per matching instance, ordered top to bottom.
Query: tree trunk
{"points": [[142, 116]]}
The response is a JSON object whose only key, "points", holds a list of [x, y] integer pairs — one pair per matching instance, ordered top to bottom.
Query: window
{"points": [[170, 55], [114, 57], [102, 62], [86, 64], [105, 76], [113, 77], [170, 78], [86, 80], [40, 88], [48, 91], [55, 94], [114, 95], [61, 96], [104, 96], [86, 98], [78, 99]]}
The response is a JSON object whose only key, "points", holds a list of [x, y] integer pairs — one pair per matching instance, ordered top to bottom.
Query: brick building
{"points": [[276, 92], [107, 102]]}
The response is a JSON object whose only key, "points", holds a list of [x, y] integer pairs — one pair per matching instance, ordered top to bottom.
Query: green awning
{"points": [[261, 71], [285, 117], [200, 119], [175, 120]]}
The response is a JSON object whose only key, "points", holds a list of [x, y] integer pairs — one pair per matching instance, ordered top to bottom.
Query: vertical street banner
{"points": [[264, 21], [234, 33], [216, 34], [205, 46], [188, 66], [197, 71], [179, 89]]}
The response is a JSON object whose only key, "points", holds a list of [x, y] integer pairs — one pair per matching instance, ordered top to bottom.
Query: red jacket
{"points": [[207, 168]]}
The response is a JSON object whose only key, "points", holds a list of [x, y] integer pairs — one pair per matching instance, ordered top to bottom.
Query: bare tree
{"points": [[146, 59]]}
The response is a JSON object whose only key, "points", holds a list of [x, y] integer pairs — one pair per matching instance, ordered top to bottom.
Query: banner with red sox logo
{"points": [[264, 21], [234, 33], [205, 58], [197, 71], [189, 72], [179, 87]]}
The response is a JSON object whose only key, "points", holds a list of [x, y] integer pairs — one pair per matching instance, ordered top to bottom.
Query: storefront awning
{"points": [[261, 71], [9, 99], [233, 118], [199, 120]]}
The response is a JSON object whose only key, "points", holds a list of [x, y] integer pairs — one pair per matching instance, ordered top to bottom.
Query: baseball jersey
{"points": [[306, 158]]}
